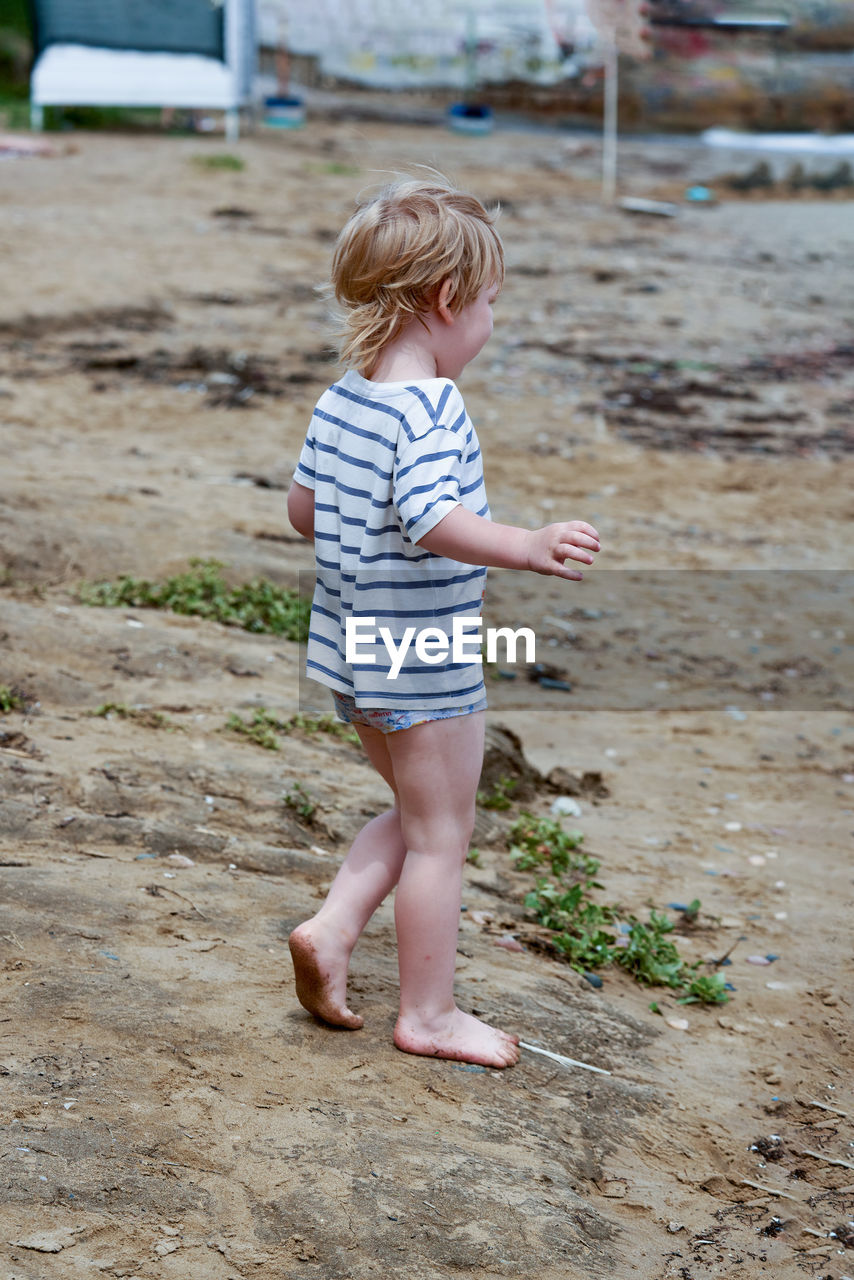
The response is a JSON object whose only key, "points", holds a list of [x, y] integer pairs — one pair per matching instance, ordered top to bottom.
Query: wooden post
{"points": [[609, 124]]}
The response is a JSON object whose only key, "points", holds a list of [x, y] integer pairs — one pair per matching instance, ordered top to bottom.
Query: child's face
{"points": [[469, 333]]}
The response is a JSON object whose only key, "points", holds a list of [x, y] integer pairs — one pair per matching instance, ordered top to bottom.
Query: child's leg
{"points": [[436, 771], [321, 947]]}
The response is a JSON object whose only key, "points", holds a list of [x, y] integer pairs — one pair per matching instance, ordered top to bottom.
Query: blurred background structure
{"points": [[143, 53], [541, 57], [544, 57]]}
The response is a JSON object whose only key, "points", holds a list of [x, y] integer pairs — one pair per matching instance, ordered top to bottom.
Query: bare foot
{"points": [[321, 977], [458, 1036]]}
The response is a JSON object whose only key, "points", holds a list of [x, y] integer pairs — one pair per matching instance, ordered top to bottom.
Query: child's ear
{"points": [[443, 309]]}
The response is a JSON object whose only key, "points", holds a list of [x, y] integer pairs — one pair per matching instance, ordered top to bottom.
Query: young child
{"points": [[390, 487]]}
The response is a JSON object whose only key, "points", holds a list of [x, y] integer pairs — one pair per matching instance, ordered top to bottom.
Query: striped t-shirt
{"points": [[387, 461]]}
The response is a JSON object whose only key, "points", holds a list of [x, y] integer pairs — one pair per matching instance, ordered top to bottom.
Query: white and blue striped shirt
{"points": [[387, 461]]}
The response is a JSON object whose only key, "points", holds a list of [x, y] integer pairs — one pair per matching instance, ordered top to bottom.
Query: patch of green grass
{"points": [[220, 160], [336, 167], [258, 606], [10, 700], [142, 715], [322, 724], [264, 725], [261, 729], [501, 795], [299, 800], [534, 841], [591, 934], [650, 956], [706, 988]]}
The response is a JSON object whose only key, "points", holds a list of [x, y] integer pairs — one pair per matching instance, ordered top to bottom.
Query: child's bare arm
{"points": [[301, 509], [464, 536]]}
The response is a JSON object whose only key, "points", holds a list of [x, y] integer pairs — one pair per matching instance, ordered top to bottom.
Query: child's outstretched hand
{"points": [[473, 539], [556, 543]]}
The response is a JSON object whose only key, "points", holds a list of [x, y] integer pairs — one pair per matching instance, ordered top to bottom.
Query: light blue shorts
{"points": [[391, 721]]}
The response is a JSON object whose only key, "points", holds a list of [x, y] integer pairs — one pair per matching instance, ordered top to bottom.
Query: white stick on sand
{"points": [[566, 1062]]}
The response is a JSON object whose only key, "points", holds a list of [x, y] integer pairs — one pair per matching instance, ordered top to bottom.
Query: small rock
{"points": [[565, 805], [180, 860], [756, 860], [481, 917], [509, 943], [758, 960], [593, 979], [678, 1024], [728, 1024], [674, 1227], [46, 1241]]}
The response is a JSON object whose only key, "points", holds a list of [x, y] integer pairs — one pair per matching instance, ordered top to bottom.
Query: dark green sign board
{"points": [[148, 26]]}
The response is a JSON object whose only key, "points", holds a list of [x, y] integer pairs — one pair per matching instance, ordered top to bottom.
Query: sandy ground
{"points": [[687, 385]]}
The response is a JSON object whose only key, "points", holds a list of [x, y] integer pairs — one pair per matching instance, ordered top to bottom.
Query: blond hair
{"points": [[397, 250]]}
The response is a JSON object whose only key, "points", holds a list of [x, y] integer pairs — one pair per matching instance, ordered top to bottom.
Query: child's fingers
{"points": [[581, 526], [578, 535], [583, 540], [565, 551], [573, 575]]}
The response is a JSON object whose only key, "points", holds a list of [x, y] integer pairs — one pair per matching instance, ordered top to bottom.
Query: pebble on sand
{"points": [[509, 943]]}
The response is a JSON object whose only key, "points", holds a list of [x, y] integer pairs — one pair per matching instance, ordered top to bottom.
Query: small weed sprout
{"points": [[220, 160], [337, 168], [9, 700], [142, 715], [323, 724], [264, 725], [261, 729], [500, 797], [298, 799], [537, 840]]}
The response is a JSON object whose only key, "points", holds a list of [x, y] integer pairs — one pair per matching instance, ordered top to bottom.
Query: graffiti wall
{"points": [[383, 44], [544, 55]]}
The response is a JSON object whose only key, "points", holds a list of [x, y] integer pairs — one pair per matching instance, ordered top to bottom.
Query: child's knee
{"points": [[436, 834]]}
